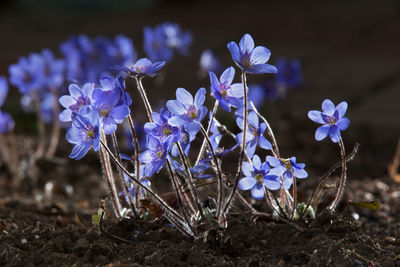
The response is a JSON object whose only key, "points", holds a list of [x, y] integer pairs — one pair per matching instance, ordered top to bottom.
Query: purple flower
{"points": [[155, 44], [122, 51], [249, 58], [209, 62], [142, 67], [53, 72], [27, 74], [289, 74], [3, 89], [224, 91], [77, 99], [110, 105], [47, 107], [186, 110], [332, 119], [6, 122], [161, 129], [84, 133], [254, 134], [216, 136], [185, 139], [155, 156], [287, 168], [197, 171], [257, 174]]}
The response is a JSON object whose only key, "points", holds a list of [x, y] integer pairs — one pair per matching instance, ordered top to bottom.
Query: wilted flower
{"points": [[142, 67]]}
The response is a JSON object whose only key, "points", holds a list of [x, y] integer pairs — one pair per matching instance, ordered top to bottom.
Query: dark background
{"points": [[350, 50]]}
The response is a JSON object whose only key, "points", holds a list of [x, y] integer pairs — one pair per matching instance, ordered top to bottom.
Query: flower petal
{"points": [[246, 44], [234, 49], [260, 55], [261, 69], [227, 76], [236, 90], [183, 96], [200, 97], [175, 107], [328, 107], [342, 108], [316, 116], [343, 124], [322, 132], [334, 134], [264, 143], [256, 162], [247, 168], [300, 173], [272, 182], [247, 183], [257, 192]]}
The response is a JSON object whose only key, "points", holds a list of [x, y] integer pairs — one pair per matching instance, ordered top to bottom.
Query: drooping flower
{"points": [[249, 58], [142, 67], [27, 74], [3, 89], [224, 91], [77, 98], [186, 110], [332, 119], [6, 122], [161, 129], [84, 133], [254, 134], [155, 155], [287, 168], [258, 175]]}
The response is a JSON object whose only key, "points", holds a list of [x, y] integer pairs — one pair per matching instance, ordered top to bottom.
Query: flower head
{"points": [[176, 38], [155, 44], [249, 58], [209, 62], [143, 67], [53, 71], [27, 74], [289, 74], [224, 91], [77, 99], [186, 110], [332, 119], [161, 129], [84, 133], [254, 134], [155, 155], [287, 168], [197, 171], [257, 175]]}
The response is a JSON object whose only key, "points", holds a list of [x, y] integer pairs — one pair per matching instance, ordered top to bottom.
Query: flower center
{"points": [[104, 112], [192, 112], [166, 131], [90, 134], [160, 154], [287, 163], [259, 177]]}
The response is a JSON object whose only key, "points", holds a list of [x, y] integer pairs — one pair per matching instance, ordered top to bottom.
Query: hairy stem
{"points": [[143, 95], [41, 127], [55, 134], [204, 144], [242, 148], [343, 178]]}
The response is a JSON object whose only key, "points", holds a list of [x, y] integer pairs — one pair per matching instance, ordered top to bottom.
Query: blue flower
{"points": [[176, 38], [155, 44], [122, 51], [249, 58], [209, 62], [142, 67], [53, 72], [27, 74], [289, 74], [3, 90], [224, 91], [77, 99], [111, 106], [47, 107], [186, 110], [332, 119], [6, 122], [161, 129], [84, 133], [254, 134], [216, 136], [185, 139], [155, 156], [287, 168], [257, 174]]}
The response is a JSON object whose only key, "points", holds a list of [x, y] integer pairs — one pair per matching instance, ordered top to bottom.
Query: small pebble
{"points": [[37, 237], [390, 239], [23, 241]]}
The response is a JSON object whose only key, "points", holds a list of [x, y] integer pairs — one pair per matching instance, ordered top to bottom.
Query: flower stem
{"points": [[146, 102], [41, 127], [55, 135], [204, 144], [242, 149], [137, 163], [219, 172], [108, 174], [121, 175], [343, 178]]}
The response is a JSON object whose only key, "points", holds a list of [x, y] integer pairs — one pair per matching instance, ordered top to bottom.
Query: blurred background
{"points": [[348, 50]]}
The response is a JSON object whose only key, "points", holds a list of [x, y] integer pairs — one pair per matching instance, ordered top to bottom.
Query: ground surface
{"points": [[350, 51]]}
